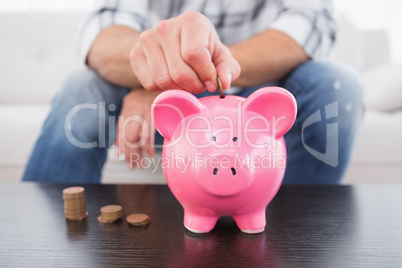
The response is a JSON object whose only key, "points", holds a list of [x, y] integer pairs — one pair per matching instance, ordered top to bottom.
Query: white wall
{"points": [[377, 14]]}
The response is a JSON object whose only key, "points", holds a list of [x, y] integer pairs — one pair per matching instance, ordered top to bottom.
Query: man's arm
{"points": [[300, 30], [181, 53], [109, 55], [266, 57]]}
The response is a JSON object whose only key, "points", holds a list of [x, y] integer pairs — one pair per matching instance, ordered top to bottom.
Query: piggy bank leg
{"points": [[199, 223], [251, 223]]}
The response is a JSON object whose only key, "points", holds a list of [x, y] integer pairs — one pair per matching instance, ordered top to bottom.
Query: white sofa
{"points": [[37, 52]]}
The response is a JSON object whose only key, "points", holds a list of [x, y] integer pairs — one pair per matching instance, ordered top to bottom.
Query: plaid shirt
{"points": [[309, 22]]}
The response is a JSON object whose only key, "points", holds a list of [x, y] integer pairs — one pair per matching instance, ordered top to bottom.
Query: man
{"points": [[136, 49]]}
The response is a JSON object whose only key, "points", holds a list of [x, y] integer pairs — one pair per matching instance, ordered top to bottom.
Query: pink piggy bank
{"points": [[224, 156]]}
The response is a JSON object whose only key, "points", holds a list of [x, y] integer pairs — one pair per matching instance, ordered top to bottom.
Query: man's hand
{"points": [[183, 53], [135, 127]]}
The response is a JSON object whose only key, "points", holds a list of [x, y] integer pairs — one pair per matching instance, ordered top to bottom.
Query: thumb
{"points": [[227, 67]]}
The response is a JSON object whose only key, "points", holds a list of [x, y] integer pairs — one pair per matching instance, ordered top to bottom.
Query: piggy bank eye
{"points": [[214, 138], [235, 139]]}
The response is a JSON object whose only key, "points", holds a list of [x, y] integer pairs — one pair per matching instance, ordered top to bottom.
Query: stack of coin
{"points": [[74, 203], [110, 214], [138, 219]]}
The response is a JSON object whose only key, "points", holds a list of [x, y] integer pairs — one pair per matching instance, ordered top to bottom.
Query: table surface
{"points": [[307, 226]]}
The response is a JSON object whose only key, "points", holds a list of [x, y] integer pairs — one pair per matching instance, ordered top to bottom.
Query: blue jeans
{"points": [[329, 99]]}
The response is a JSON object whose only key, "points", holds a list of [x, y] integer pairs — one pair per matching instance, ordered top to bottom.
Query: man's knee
{"points": [[320, 85], [79, 87], [341, 88], [329, 96], [79, 112]]}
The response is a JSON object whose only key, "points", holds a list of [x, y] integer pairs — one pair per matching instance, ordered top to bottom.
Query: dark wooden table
{"points": [[307, 226]]}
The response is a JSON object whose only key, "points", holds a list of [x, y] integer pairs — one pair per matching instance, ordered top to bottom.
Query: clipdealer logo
{"points": [[330, 156]]}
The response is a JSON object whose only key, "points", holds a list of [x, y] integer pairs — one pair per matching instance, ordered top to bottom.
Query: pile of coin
{"points": [[74, 203], [74, 209], [110, 213], [138, 219]]}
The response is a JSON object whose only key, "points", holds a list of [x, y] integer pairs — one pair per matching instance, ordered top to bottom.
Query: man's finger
{"points": [[197, 45], [156, 62], [227, 67], [140, 69], [180, 72], [119, 136], [132, 140], [116, 142], [148, 146], [133, 157]]}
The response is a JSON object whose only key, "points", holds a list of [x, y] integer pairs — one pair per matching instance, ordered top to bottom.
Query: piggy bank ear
{"points": [[276, 104], [171, 107]]}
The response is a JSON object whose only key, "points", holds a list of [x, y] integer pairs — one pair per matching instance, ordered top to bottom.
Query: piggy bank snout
{"points": [[224, 174]]}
